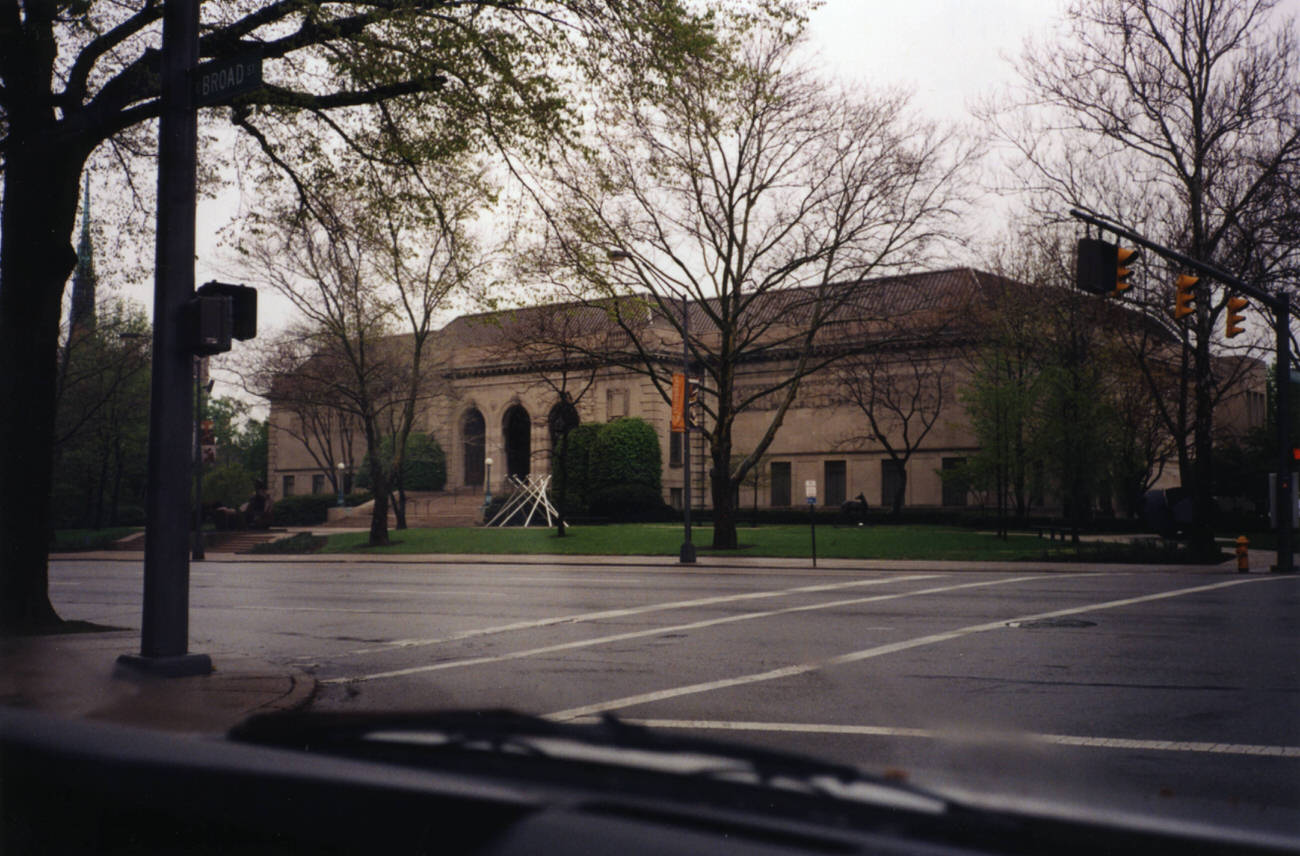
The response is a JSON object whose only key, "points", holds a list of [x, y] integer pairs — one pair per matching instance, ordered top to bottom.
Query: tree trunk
{"points": [[40, 203], [379, 484], [722, 488], [901, 491], [399, 507]]}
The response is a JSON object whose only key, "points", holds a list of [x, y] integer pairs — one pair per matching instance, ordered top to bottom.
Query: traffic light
{"points": [[1124, 256], [1095, 266], [1103, 267], [1184, 295], [1235, 305], [243, 306], [219, 312], [694, 412]]}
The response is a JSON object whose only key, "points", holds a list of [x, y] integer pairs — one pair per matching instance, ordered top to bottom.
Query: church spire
{"points": [[81, 315]]}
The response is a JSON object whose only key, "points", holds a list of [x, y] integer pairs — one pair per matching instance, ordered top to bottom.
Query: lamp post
{"points": [[340, 484], [487, 484], [687, 554]]}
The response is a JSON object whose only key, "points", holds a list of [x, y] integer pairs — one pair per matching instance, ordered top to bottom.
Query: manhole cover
{"points": [[1052, 622]]}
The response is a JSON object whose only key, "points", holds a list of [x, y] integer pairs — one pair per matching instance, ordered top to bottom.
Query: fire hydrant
{"points": [[1243, 554]]}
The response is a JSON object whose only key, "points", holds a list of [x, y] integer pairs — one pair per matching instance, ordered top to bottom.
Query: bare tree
{"points": [[1183, 118], [761, 195], [370, 276], [902, 396], [311, 414]]}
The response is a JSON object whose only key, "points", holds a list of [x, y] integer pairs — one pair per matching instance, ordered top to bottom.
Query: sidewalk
{"points": [[1261, 561], [73, 675]]}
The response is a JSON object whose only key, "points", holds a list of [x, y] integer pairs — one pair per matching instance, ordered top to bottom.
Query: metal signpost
{"points": [[810, 491], [164, 632]]}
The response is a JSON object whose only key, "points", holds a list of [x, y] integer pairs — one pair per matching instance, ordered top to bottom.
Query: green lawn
{"points": [[872, 542]]}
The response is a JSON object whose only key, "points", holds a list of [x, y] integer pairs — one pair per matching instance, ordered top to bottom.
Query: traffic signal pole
{"points": [[1281, 305], [1282, 329], [164, 633]]}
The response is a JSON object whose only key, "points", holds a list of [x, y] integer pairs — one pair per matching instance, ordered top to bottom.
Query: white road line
{"points": [[439, 592], [659, 631], [398, 644], [877, 651], [966, 737]]}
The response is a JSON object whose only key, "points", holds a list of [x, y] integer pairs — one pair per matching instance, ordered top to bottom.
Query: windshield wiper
{"points": [[608, 742]]}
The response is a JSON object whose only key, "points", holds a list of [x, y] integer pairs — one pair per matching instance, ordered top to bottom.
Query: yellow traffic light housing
{"points": [[1123, 256], [1185, 296], [1235, 305]]}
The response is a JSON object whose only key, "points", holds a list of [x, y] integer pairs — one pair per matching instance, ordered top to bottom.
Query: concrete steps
{"points": [[424, 510], [233, 541], [241, 541]]}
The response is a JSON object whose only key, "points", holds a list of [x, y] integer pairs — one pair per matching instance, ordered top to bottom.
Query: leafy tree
{"points": [[79, 81], [103, 398]]}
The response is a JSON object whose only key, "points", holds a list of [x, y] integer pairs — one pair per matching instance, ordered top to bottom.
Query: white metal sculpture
{"points": [[531, 493]]}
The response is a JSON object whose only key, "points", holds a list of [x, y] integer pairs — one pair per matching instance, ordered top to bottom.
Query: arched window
{"points": [[517, 429]]}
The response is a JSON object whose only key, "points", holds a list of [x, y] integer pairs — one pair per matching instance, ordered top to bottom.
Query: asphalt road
{"points": [[1139, 691]]}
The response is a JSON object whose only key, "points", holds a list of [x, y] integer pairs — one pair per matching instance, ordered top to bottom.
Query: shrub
{"points": [[626, 452], [424, 465], [572, 479], [230, 485], [630, 503], [306, 510]]}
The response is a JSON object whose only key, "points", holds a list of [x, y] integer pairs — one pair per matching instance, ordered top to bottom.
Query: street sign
{"points": [[220, 80], [810, 488]]}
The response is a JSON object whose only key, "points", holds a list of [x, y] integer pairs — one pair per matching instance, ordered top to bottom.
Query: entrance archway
{"points": [[517, 429], [473, 444]]}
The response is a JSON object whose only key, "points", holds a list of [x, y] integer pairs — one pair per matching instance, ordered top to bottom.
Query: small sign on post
{"points": [[810, 491]]}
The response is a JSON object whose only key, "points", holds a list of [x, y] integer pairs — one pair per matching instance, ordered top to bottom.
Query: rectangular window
{"points": [[615, 404], [675, 449], [835, 477], [892, 480], [318, 483], [780, 484], [288, 486], [955, 487], [675, 497]]}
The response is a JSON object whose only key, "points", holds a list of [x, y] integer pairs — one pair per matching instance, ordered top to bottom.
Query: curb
{"points": [[301, 692]]}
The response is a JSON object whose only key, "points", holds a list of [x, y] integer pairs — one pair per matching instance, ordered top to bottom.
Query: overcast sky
{"points": [[946, 51]]}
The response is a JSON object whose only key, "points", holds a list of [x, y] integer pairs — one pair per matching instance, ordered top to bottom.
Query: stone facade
{"points": [[496, 402]]}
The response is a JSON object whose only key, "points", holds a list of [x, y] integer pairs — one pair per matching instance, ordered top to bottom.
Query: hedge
{"points": [[626, 452], [572, 480]]}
